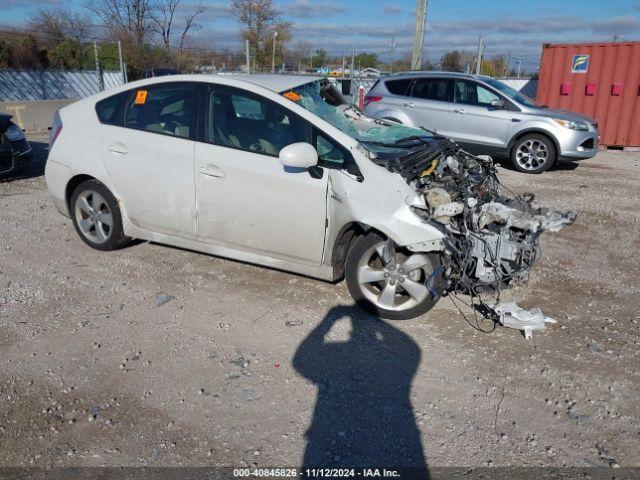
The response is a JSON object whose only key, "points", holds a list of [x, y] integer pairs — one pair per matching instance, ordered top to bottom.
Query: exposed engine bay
{"points": [[491, 238]]}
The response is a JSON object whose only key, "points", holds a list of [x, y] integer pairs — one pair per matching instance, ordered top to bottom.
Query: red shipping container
{"points": [[613, 66]]}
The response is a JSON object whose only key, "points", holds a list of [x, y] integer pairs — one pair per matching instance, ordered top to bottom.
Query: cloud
{"points": [[9, 4], [306, 9], [392, 9], [212, 11]]}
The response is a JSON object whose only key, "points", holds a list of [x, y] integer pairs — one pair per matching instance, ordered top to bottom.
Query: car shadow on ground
{"points": [[505, 162], [33, 169], [363, 416]]}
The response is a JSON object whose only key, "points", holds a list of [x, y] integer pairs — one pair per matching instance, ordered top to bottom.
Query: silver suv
{"points": [[484, 116]]}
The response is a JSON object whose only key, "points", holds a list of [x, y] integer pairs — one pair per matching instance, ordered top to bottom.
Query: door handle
{"points": [[410, 104], [461, 111], [117, 148], [211, 171]]}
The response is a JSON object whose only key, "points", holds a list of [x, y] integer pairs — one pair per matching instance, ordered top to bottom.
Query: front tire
{"points": [[533, 153], [96, 216], [388, 281]]}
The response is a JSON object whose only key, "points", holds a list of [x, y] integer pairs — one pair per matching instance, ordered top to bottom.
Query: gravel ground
{"points": [[231, 369]]}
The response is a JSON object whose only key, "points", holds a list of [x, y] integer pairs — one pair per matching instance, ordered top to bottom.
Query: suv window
{"points": [[399, 87], [432, 89], [472, 93], [168, 109], [110, 110], [239, 119]]}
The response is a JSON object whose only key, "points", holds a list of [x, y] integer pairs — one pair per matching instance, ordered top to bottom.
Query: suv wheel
{"points": [[533, 153], [96, 216], [388, 282]]}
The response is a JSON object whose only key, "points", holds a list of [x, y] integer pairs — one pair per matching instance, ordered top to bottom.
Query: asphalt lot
{"points": [[250, 366]]}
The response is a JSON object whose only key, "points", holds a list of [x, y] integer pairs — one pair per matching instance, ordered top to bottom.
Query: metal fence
{"points": [[27, 85]]}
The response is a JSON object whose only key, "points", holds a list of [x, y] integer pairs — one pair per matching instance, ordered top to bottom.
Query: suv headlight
{"points": [[571, 125], [14, 134]]}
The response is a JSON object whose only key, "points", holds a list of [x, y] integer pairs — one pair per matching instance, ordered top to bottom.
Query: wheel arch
{"points": [[539, 131], [72, 184], [345, 238]]}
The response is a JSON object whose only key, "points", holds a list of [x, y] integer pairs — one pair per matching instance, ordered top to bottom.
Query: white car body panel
{"points": [[253, 221]]}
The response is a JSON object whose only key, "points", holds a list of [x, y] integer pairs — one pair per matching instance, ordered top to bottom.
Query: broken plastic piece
{"points": [[513, 316]]}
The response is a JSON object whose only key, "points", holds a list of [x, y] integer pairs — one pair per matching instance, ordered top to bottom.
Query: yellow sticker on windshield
{"points": [[292, 96], [141, 97]]}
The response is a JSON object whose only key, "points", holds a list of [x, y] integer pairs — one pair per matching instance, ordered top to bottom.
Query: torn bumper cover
{"points": [[491, 238]]}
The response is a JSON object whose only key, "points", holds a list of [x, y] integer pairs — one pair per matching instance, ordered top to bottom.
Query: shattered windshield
{"points": [[375, 135]]}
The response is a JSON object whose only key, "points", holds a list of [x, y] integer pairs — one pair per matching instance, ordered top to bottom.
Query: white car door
{"points": [[150, 158], [245, 198]]}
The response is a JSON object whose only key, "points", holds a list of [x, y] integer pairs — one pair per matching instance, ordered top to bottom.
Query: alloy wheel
{"points": [[532, 154], [93, 216], [392, 280]]}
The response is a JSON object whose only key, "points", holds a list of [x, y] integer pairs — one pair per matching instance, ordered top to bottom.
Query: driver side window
{"points": [[245, 121]]}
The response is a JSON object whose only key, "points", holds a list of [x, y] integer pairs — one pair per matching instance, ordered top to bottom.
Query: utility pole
{"points": [[418, 35], [392, 47], [273, 54], [247, 55], [479, 55], [344, 62], [519, 64], [98, 71], [352, 73], [122, 75]]}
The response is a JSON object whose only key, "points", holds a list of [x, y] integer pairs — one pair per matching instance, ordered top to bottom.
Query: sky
{"points": [[510, 27]]}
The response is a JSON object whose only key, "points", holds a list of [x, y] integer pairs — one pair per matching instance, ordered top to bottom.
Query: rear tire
{"points": [[533, 153], [96, 216], [396, 290]]}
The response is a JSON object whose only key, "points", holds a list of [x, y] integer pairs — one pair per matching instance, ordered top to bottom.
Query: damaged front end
{"points": [[491, 238]]}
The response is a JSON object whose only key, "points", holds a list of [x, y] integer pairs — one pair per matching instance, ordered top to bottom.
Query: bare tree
{"points": [[127, 20], [259, 20], [163, 22], [60, 23]]}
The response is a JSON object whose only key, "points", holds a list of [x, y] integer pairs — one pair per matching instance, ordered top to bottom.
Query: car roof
{"points": [[432, 73], [276, 83]]}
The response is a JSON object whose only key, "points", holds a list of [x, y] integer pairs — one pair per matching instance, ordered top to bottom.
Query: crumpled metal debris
{"points": [[499, 213], [511, 315]]}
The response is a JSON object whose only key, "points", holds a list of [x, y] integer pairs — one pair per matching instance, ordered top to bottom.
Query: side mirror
{"points": [[498, 103], [299, 155]]}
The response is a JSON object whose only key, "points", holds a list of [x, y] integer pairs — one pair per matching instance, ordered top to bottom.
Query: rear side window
{"points": [[399, 87], [433, 89], [168, 109], [110, 110]]}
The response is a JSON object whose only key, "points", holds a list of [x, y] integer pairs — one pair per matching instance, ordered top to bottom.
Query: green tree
{"points": [[5, 54], [67, 54], [319, 58], [366, 60], [452, 62]]}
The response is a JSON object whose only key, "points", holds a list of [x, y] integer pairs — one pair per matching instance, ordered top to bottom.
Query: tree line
{"points": [[164, 33]]}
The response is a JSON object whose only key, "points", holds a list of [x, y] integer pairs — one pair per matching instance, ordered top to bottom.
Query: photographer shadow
{"points": [[363, 415]]}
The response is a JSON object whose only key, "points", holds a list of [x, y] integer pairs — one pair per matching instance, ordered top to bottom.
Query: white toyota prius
{"points": [[280, 171]]}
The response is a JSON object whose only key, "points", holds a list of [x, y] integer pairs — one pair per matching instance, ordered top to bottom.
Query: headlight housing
{"points": [[571, 125], [14, 134]]}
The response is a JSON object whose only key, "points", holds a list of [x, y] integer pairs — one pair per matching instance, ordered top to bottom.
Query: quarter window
{"points": [[398, 87], [432, 89], [472, 93], [168, 109], [110, 110], [242, 120], [330, 153]]}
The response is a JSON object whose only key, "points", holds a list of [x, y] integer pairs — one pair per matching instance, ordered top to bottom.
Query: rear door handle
{"points": [[410, 104], [461, 111], [117, 148], [211, 171]]}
